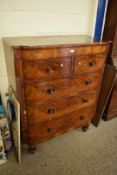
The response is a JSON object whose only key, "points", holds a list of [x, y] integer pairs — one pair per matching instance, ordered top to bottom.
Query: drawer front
{"points": [[99, 49], [89, 50], [42, 53], [45, 53], [89, 64], [44, 69], [48, 90], [49, 110], [60, 125]]}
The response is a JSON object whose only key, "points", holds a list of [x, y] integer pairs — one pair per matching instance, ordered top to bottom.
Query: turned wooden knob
{"points": [[92, 63], [50, 69], [88, 82], [51, 90], [85, 100], [50, 111], [82, 117], [50, 129]]}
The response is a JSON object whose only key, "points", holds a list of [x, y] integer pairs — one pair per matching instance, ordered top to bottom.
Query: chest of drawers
{"points": [[57, 84]]}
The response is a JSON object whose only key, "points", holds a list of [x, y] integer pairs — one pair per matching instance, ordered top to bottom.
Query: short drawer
{"points": [[94, 49], [99, 49], [89, 63], [44, 69], [48, 90], [51, 109], [44, 130]]}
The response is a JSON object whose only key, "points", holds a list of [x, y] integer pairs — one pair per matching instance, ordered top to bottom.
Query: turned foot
{"points": [[85, 128], [32, 149]]}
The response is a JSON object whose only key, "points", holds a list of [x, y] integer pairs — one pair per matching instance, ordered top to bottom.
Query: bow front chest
{"points": [[57, 81]]}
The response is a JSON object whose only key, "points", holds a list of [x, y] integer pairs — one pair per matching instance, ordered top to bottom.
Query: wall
{"points": [[38, 17], [3, 74]]}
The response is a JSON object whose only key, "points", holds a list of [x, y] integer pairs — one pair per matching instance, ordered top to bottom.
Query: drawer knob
{"points": [[92, 63], [49, 69], [88, 81], [51, 90], [85, 100], [50, 111], [82, 117], [50, 129]]}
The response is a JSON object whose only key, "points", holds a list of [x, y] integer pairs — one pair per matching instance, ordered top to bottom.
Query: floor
{"points": [[75, 153]]}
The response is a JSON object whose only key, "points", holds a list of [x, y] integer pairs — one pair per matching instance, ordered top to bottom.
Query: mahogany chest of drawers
{"points": [[57, 82]]}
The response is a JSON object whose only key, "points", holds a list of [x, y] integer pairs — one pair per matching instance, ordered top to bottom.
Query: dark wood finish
{"points": [[111, 20], [110, 23], [110, 33], [114, 49], [47, 52], [89, 64], [40, 69], [45, 69], [57, 85], [47, 90], [105, 92], [20, 95], [111, 108], [47, 111], [49, 129]]}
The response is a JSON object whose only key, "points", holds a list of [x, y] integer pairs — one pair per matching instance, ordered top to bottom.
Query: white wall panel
{"points": [[6, 5], [61, 6], [24, 23], [3, 71]]}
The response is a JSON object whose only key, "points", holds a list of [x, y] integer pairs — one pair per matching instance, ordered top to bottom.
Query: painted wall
{"points": [[38, 17]]}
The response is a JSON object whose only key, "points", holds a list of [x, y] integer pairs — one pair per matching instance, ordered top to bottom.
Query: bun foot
{"points": [[85, 128], [32, 149]]}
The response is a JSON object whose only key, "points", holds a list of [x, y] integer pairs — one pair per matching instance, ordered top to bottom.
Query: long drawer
{"points": [[49, 52], [48, 90], [52, 109], [46, 130]]}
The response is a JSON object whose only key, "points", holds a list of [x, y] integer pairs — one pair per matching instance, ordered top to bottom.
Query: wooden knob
{"points": [[92, 63], [50, 69], [88, 81], [51, 90], [85, 100], [50, 111], [82, 117], [50, 129]]}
